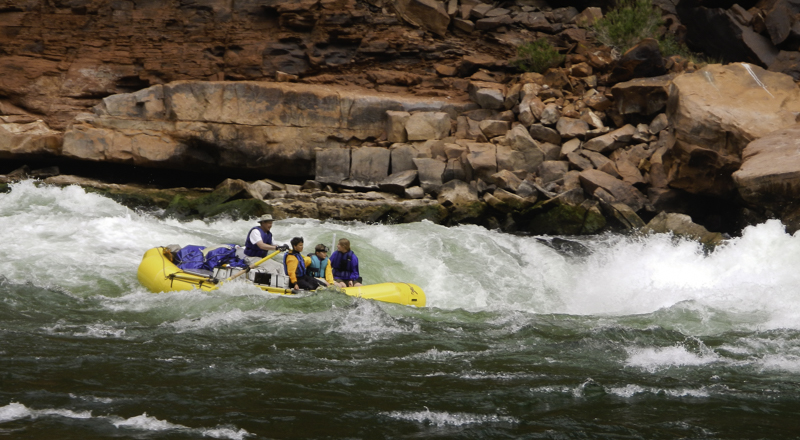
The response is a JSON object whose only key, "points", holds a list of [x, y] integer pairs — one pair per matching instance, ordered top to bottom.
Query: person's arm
{"points": [[255, 237], [291, 267], [329, 273], [354, 274]]}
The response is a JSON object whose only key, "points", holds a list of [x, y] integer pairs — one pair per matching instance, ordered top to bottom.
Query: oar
{"points": [[256, 264]]}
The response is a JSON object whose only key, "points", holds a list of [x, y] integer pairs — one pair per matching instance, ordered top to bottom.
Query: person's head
{"points": [[265, 222], [297, 244], [344, 245], [321, 251]]}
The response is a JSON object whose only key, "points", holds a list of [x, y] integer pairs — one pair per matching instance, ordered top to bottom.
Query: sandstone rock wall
{"points": [[272, 128]]}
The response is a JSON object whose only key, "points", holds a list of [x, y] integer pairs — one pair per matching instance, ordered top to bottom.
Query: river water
{"points": [[641, 338]]}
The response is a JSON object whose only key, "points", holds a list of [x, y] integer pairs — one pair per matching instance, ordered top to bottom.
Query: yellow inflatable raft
{"points": [[158, 274]]}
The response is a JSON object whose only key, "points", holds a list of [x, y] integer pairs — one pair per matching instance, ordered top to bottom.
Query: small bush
{"points": [[629, 23], [669, 46], [537, 56]]}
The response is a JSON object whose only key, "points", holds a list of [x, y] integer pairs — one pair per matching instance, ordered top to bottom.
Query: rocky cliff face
{"points": [[59, 58], [413, 97]]}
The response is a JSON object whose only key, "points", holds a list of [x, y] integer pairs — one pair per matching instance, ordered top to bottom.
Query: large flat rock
{"points": [[267, 127]]}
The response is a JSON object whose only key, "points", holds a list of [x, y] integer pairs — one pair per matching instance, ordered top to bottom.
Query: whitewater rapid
{"points": [[69, 238]]}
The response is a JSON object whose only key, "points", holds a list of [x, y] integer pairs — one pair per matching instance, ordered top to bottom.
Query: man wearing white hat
{"points": [[259, 239]]}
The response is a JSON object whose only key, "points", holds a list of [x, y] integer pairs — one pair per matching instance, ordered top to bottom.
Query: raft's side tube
{"points": [[158, 274], [397, 293]]}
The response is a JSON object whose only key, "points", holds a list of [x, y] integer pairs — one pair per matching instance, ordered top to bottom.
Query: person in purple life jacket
{"points": [[259, 239], [345, 265]]}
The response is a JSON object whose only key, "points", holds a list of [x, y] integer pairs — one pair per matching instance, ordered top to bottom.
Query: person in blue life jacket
{"points": [[259, 240], [345, 265], [295, 266], [319, 266]]}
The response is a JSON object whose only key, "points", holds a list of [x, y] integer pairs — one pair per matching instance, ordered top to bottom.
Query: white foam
{"points": [[91, 246], [368, 320], [654, 359], [780, 362], [631, 390], [14, 411], [443, 418], [143, 422], [146, 423]]}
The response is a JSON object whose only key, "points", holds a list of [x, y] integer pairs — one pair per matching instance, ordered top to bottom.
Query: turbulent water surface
{"points": [[639, 338]]}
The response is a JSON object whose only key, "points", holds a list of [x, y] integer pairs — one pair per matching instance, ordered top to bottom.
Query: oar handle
{"points": [[254, 265]]}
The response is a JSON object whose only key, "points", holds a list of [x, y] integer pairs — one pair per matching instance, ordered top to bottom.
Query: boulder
{"points": [[427, 14], [490, 23], [718, 31], [642, 60], [487, 95], [644, 96], [748, 103], [550, 114], [396, 126], [422, 126], [493, 128], [569, 128], [544, 134], [28, 140], [520, 140], [611, 141], [568, 147], [402, 157], [509, 159], [482, 160], [578, 161], [601, 163], [332, 165], [369, 166], [455, 170], [552, 170], [770, 173], [430, 174], [507, 180], [398, 183], [622, 192], [462, 201], [505, 201], [566, 214], [681, 225]]}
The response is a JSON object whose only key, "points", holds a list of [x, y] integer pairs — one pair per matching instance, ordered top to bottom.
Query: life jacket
{"points": [[250, 248], [301, 264], [342, 265], [317, 267]]}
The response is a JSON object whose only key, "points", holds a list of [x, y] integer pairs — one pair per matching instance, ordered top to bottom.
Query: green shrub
{"points": [[630, 22], [669, 46], [537, 56]]}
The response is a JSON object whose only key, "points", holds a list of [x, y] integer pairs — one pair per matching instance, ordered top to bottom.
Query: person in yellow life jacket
{"points": [[295, 264], [319, 265]]}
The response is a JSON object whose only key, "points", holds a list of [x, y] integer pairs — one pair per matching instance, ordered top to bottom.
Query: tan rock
{"points": [[427, 14], [716, 112], [396, 126], [423, 126], [31, 139], [770, 172], [622, 192]]}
